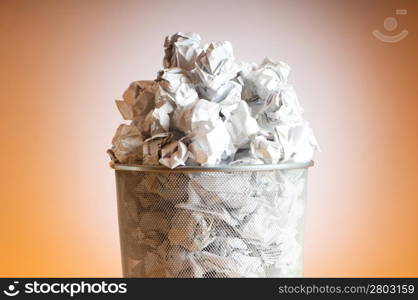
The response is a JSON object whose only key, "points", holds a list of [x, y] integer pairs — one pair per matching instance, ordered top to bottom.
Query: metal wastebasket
{"points": [[211, 222]]}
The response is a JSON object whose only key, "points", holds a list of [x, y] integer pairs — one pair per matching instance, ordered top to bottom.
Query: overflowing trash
{"points": [[207, 109]]}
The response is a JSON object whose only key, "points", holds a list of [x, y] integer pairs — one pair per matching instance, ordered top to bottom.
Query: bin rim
{"points": [[219, 168]]}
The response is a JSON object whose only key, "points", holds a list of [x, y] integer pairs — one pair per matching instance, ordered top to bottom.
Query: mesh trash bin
{"points": [[210, 222]]}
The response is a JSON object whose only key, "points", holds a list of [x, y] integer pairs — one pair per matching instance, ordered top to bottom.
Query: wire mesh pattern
{"points": [[212, 224]]}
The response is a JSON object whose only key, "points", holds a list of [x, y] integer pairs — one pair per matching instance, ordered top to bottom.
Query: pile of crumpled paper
{"points": [[206, 108]]}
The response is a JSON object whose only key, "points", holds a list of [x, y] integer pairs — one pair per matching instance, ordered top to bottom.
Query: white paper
{"points": [[181, 50], [215, 66], [175, 86], [137, 99], [242, 126], [127, 144], [152, 146], [270, 152], [174, 154], [190, 230]]}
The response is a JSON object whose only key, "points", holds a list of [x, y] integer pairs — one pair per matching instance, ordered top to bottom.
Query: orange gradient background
{"points": [[62, 64]]}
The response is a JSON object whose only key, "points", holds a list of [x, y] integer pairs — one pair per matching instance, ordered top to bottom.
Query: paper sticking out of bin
{"points": [[211, 167]]}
